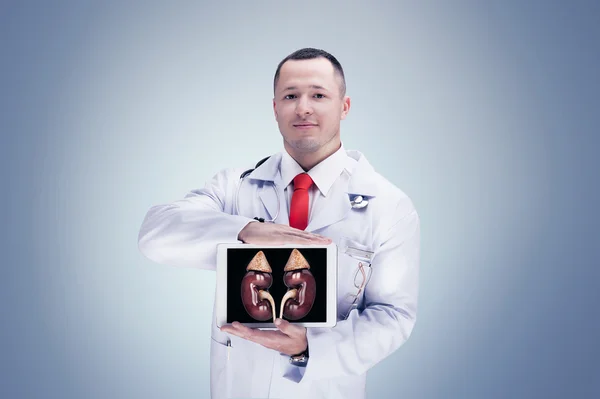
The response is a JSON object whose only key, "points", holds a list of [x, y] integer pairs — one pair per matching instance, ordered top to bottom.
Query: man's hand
{"points": [[278, 234], [289, 339]]}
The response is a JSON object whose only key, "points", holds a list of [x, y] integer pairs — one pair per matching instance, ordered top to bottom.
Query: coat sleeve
{"points": [[186, 232], [369, 335]]}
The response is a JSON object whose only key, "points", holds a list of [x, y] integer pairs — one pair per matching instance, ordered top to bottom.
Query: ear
{"points": [[345, 107], [275, 109]]}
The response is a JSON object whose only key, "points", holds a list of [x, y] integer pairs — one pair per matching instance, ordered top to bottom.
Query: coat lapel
{"points": [[270, 178], [337, 208]]}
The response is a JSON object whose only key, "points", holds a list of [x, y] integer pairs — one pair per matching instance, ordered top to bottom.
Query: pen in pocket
{"points": [[361, 254]]}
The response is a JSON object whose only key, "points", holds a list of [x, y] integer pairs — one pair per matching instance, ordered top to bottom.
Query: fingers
{"points": [[293, 230], [280, 234], [306, 236], [300, 239], [238, 330], [250, 334], [269, 339], [289, 339]]}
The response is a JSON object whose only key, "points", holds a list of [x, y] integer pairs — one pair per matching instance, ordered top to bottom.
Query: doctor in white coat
{"points": [[378, 246]]}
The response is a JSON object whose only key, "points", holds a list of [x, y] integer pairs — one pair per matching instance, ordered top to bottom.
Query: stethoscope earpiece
{"points": [[358, 202]]}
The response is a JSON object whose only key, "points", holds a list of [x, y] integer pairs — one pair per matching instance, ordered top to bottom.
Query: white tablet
{"points": [[256, 283]]}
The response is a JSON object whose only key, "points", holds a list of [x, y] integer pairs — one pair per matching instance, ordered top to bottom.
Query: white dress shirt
{"points": [[324, 176]]}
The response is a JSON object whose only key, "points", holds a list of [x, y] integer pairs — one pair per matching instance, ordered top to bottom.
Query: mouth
{"points": [[305, 125]]}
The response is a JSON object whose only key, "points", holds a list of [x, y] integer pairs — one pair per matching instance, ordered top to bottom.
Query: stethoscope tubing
{"points": [[237, 202]]}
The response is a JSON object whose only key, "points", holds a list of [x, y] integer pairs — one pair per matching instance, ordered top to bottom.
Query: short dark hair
{"points": [[309, 54]]}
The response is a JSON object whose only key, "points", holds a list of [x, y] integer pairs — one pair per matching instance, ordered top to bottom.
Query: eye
{"points": [[319, 95], [290, 97]]}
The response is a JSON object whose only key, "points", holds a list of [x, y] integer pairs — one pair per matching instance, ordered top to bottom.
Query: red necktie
{"points": [[299, 206]]}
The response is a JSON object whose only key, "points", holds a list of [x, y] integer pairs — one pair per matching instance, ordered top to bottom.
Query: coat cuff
{"points": [[318, 342], [291, 372]]}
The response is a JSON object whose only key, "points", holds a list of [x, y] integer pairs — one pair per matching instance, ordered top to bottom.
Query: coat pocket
{"points": [[355, 249], [354, 269], [220, 374]]}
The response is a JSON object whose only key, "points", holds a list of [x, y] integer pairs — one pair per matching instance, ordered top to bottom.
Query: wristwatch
{"points": [[300, 359]]}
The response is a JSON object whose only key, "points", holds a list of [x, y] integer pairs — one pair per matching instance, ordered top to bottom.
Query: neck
{"points": [[308, 160]]}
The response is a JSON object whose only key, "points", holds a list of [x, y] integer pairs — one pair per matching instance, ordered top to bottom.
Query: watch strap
{"points": [[301, 359]]}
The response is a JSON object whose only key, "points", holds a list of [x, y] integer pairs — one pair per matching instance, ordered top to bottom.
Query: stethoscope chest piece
{"points": [[358, 202]]}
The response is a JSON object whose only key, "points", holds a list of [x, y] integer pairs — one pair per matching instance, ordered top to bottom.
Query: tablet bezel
{"points": [[221, 288]]}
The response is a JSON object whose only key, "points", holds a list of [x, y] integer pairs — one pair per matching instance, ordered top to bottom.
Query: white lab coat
{"points": [[185, 233]]}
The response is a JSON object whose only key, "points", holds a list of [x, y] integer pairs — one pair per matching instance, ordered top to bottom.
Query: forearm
{"points": [[186, 232], [183, 236], [369, 335], [358, 343]]}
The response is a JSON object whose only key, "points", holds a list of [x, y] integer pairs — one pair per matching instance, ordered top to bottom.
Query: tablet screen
{"points": [[306, 277]]}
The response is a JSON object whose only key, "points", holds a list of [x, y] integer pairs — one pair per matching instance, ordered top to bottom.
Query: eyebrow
{"points": [[312, 87]]}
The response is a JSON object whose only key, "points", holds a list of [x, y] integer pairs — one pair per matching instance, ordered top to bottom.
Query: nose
{"points": [[303, 107]]}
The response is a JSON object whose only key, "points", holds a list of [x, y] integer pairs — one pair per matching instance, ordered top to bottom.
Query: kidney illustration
{"points": [[300, 297], [256, 298]]}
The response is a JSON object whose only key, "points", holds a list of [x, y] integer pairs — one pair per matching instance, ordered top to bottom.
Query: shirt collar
{"points": [[323, 174]]}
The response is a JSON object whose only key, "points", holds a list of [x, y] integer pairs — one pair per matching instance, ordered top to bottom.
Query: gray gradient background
{"points": [[485, 114]]}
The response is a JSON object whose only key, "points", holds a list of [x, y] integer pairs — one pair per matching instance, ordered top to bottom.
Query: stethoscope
{"points": [[237, 194], [358, 202]]}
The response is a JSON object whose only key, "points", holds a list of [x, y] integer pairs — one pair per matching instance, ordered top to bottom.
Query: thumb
{"points": [[287, 328]]}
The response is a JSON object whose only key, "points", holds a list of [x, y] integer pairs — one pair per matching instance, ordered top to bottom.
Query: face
{"points": [[308, 106]]}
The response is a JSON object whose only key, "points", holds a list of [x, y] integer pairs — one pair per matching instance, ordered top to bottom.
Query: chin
{"points": [[305, 145]]}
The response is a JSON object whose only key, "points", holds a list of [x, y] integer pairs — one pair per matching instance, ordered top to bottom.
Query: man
{"points": [[377, 296]]}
